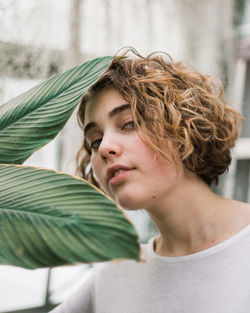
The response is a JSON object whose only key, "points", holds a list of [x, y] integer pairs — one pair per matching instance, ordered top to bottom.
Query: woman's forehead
{"points": [[103, 104]]}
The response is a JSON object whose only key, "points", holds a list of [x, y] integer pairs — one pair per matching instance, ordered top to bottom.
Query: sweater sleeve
{"points": [[81, 301]]}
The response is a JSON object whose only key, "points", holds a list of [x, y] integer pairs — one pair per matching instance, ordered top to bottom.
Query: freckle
{"points": [[154, 197]]}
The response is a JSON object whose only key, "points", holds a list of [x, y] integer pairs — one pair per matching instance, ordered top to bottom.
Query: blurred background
{"points": [[41, 38]]}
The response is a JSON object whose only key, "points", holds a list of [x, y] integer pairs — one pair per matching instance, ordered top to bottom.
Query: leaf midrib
{"points": [[40, 103], [73, 218]]}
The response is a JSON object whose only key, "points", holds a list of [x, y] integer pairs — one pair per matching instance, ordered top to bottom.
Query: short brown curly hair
{"points": [[174, 108]]}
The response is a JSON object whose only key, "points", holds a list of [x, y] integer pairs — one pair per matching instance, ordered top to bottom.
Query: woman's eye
{"points": [[130, 125], [95, 144]]}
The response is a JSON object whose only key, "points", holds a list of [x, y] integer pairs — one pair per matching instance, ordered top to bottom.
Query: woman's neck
{"points": [[192, 218]]}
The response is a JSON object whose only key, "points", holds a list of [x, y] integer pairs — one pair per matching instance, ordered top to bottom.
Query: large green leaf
{"points": [[36, 116], [49, 218]]}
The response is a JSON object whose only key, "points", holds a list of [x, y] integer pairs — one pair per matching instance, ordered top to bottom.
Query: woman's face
{"points": [[126, 168]]}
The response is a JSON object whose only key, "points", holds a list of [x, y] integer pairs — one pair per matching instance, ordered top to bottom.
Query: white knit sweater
{"points": [[215, 280]]}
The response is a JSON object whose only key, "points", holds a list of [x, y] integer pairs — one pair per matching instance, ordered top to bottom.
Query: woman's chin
{"points": [[130, 197], [129, 203]]}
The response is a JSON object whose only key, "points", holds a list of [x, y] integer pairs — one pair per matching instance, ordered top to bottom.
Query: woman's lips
{"points": [[120, 177]]}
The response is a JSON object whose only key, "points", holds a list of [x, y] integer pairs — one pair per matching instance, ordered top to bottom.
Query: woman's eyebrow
{"points": [[119, 109], [112, 113]]}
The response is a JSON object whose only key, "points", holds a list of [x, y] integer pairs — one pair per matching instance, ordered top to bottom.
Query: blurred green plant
{"points": [[49, 218]]}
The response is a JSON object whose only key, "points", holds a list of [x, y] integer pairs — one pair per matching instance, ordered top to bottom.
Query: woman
{"points": [[157, 135]]}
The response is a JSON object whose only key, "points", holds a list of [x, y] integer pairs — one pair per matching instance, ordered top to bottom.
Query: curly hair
{"points": [[175, 109]]}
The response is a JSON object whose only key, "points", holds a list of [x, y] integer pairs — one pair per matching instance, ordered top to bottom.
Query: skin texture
{"points": [[152, 176], [189, 216]]}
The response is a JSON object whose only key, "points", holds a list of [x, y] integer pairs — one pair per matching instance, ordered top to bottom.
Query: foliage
{"points": [[49, 218]]}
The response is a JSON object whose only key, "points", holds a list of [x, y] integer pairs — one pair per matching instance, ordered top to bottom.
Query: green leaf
{"points": [[32, 119], [49, 218]]}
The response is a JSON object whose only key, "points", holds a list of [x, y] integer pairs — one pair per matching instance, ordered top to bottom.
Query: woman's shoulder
{"points": [[240, 213], [234, 217]]}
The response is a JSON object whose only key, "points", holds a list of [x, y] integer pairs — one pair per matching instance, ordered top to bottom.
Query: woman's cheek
{"points": [[94, 166], [97, 174]]}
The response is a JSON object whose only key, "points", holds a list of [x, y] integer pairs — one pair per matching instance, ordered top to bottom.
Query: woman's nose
{"points": [[109, 148]]}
